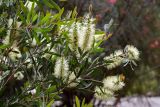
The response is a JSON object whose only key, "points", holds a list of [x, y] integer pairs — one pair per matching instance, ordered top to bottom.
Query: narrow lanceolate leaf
{"points": [[51, 4], [55, 5], [24, 9], [60, 13], [74, 13], [29, 15], [22, 18], [34, 18], [45, 19], [3, 46], [77, 102], [50, 103], [83, 103]]}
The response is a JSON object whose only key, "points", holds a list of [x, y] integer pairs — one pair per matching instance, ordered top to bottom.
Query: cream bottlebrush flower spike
{"points": [[86, 33], [81, 34], [74, 38], [6, 40], [131, 52], [14, 54], [131, 55], [115, 59], [28, 63], [61, 68], [62, 71], [19, 75], [72, 80], [113, 83], [110, 85], [103, 93]]}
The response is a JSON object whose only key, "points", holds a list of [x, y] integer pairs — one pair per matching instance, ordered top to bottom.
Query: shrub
{"points": [[44, 53]]}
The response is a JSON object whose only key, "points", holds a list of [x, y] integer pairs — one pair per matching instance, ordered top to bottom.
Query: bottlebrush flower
{"points": [[29, 4], [81, 34], [86, 34], [73, 36], [6, 40], [131, 52], [14, 54], [129, 55], [115, 59], [28, 63], [61, 68], [19, 75], [72, 80], [113, 83], [110, 85], [103, 93]]}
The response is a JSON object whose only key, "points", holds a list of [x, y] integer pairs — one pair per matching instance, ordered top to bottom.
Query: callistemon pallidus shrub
{"points": [[82, 41], [50, 53]]}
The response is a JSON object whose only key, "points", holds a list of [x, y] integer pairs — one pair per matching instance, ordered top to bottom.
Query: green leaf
{"points": [[48, 3], [51, 4], [55, 5], [24, 9], [30, 13], [60, 13], [74, 13], [21, 17], [54, 17], [34, 18], [45, 19], [99, 32], [46, 36], [36, 37], [98, 43], [3, 46], [97, 50], [80, 51], [53, 53], [94, 62], [4, 67], [51, 89], [55, 95], [77, 102], [50, 103], [83, 103], [90, 105]]}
